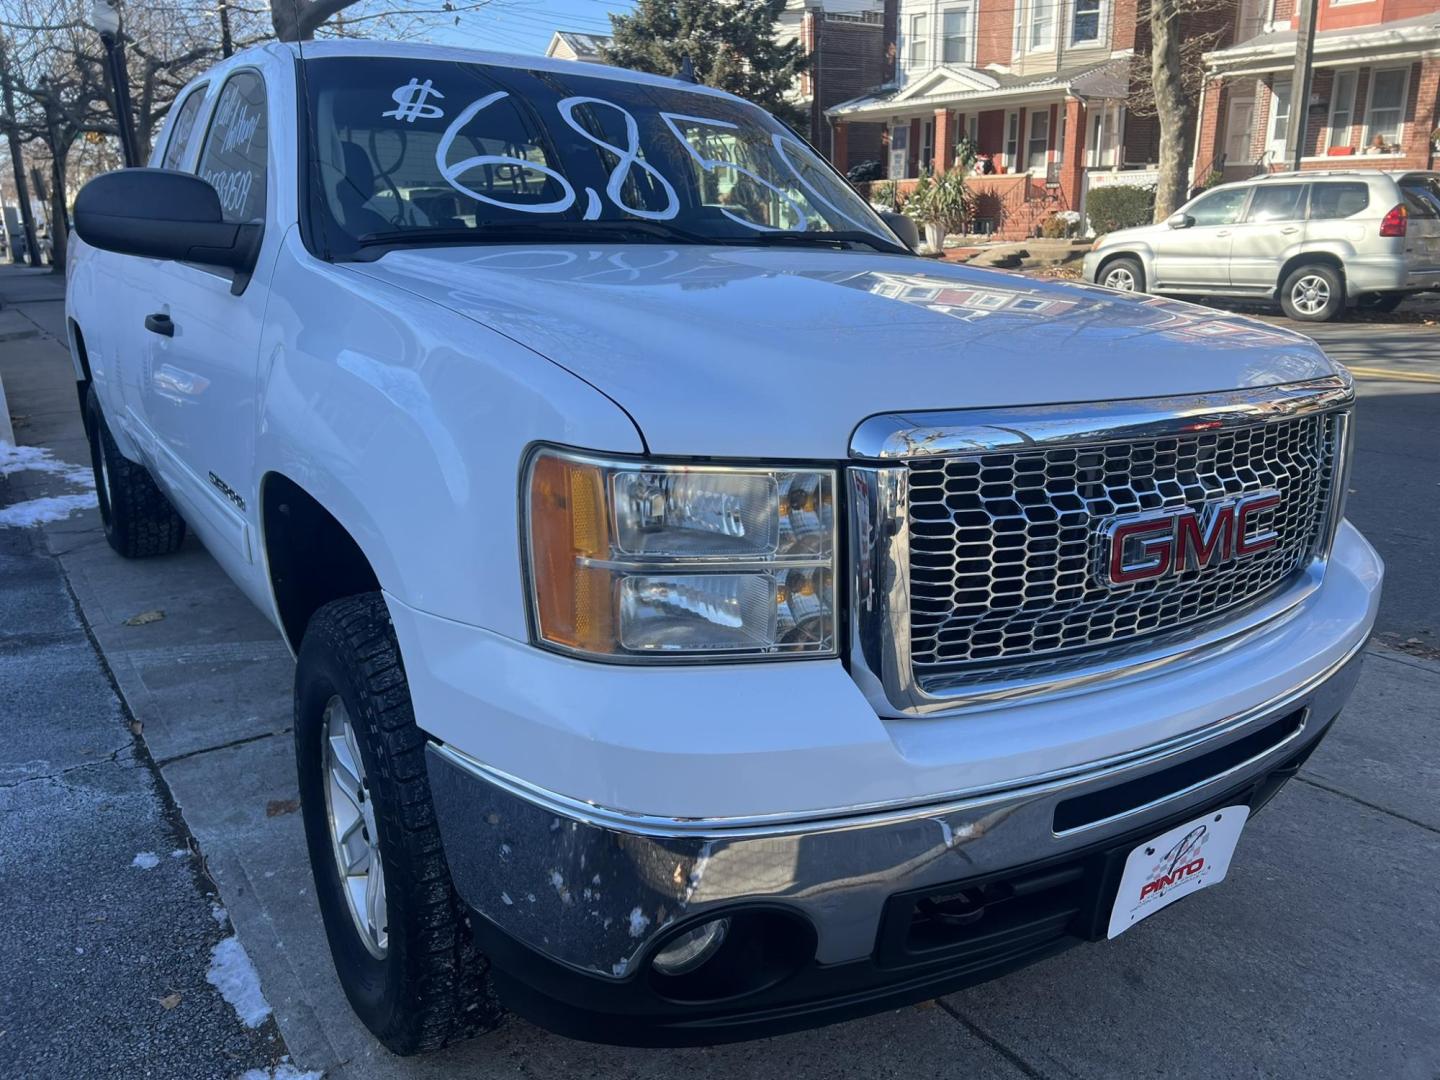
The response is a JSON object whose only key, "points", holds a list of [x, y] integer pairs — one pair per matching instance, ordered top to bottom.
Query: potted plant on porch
{"points": [[945, 206]]}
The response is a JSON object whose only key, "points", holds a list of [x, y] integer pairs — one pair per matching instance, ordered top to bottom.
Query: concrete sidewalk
{"points": [[107, 920], [1321, 954]]}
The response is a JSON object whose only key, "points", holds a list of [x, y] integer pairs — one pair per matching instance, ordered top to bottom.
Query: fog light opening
{"points": [[691, 949]]}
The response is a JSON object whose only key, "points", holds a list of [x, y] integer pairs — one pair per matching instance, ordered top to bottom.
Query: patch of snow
{"points": [[17, 459], [34, 512], [180, 853], [146, 860], [505, 899], [219, 914], [638, 922], [232, 973], [283, 1071]]}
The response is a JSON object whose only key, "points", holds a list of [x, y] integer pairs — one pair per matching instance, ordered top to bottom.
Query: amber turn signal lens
{"points": [[569, 523]]}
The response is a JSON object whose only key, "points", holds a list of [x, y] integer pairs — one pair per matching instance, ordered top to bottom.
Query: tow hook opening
{"points": [[730, 955]]}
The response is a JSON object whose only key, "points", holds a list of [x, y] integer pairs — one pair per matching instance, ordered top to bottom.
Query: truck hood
{"points": [[739, 352]]}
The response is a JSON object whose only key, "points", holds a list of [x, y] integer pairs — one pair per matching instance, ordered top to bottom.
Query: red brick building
{"points": [[1040, 87], [1374, 101]]}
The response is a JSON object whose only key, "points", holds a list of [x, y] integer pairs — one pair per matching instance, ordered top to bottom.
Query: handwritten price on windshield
{"points": [[627, 159]]}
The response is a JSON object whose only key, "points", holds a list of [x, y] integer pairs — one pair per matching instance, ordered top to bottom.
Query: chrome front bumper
{"points": [[595, 890]]}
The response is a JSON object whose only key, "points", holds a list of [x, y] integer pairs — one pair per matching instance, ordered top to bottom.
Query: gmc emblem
{"points": [[1161, 543]]}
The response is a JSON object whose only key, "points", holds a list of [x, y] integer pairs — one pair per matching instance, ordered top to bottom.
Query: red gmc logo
{"points": [[1142, 547]]}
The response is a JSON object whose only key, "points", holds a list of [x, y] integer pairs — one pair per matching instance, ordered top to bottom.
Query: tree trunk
{"points": [[1172, 110], [17, 162], [59, 212]]}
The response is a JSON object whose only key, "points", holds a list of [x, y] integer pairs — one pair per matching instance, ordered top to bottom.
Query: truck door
{"points": [[1273, 225], [1199, 254], [128, 283], [202, 340]]}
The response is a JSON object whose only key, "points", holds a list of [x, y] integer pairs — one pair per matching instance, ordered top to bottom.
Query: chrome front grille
{"points": [[978, 538], [1003, 546]]}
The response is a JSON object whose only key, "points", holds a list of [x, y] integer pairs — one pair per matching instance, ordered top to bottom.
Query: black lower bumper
{"points": [[931, 942]]}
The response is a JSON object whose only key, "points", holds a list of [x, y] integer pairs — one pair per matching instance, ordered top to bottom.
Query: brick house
{"points": [[844, 40], [1039, 86], [1374, 100]]}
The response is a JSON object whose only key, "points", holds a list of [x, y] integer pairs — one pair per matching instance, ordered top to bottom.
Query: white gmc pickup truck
{"points": [[711, 619]]}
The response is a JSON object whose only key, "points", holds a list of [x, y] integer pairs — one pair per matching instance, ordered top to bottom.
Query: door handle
{"points": [[1289, 229], [1223, 232], [160, 323]]}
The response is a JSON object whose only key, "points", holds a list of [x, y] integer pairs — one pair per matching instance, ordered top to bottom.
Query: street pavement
{"points": [[107, 919], [1319, 956]]}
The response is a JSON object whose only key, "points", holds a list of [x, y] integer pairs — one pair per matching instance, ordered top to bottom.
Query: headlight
{"points": [[631, 560]]}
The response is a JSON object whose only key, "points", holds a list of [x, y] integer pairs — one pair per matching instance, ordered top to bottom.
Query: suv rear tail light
{"points": [[1393, 223]]}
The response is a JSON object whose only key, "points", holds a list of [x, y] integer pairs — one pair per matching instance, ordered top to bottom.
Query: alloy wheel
{"points": [[1120, 278], [1310, 295], [351, 815]]}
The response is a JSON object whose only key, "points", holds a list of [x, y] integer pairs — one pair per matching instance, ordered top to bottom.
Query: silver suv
{"points": [[1316, 240]]}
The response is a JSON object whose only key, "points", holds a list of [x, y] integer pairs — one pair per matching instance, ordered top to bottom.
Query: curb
{"points": [[7, 433]]}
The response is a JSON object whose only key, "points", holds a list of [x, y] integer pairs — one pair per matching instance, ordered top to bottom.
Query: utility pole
{"points": [[105, 17], [227, 43], [1300, 85], [17, 158]]}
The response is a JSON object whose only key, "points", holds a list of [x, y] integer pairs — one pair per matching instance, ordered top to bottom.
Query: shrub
{"points": [[865, 172], [887, 195], [950, 202], [917, 203], [1123, 206], [1054, 227]]}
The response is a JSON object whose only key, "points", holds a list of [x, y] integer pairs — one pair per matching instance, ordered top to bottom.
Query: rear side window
{"points": [[182, 131], [233, 159], [1422, 195], [1338, 200], [1277, 202], [1218, 207]]}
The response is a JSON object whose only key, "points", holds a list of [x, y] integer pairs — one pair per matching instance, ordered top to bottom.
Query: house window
{"points": [[1085, 24], [1042, 25], [957, 36], [918, 42], [1387, 105], [1342, 108], [1279, 119], [1240, 126], [1060, 137], [1012, 139], [927, 145], [1037, 148]]}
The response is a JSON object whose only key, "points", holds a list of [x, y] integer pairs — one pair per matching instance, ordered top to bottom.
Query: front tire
{"points": [[1124, 274], [1313, 293], [139, 520], [399, 935]]}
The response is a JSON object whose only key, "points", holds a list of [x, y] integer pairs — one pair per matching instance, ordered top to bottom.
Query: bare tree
{"points": [[1166, 77]]}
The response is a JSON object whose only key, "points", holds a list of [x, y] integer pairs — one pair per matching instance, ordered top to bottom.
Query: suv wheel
{"points": [[1124, 274], [1313, 293], [139, 520], [399, 935]]}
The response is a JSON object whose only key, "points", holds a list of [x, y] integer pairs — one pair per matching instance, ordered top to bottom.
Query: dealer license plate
{"points": [[1184, 860]]}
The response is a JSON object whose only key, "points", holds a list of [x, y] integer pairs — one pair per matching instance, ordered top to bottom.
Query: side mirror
{"points": [[162, 214], [1180, 220], [903, 226]]}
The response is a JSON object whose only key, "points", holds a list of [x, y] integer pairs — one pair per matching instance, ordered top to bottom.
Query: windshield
{"points": [[413, 151]]}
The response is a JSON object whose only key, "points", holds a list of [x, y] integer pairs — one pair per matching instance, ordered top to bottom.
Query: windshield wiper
{"points": [[509, 232], [788, 237]]}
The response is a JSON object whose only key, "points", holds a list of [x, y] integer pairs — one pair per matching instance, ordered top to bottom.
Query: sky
{"points": [[525, 26]]}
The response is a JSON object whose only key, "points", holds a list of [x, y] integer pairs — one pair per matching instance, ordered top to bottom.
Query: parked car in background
{"points": [[1316, 241], [711, 619]]}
